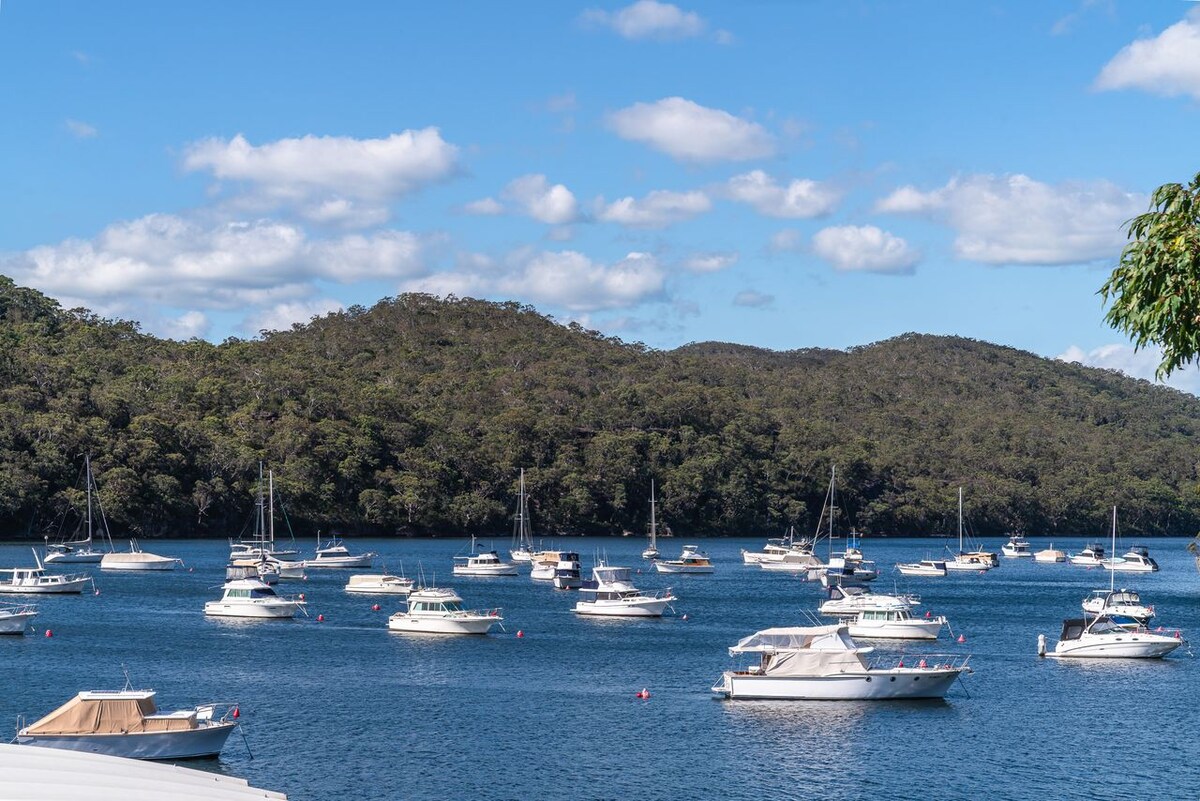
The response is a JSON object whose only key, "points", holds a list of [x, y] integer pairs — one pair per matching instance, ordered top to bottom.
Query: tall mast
{"points": [[88, 462], [832, 496], [271, 508], [653, 521], [262, 522], [960, 550], [1112, 557]]}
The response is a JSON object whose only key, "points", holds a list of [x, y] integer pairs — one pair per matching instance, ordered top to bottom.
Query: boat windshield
{"points": [[612, 574]]}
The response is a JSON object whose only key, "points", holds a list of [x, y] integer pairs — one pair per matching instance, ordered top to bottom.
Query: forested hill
{"points": [[415, 415]]}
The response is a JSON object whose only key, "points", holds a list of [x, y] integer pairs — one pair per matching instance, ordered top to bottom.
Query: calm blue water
{"points": [[345, 709]]}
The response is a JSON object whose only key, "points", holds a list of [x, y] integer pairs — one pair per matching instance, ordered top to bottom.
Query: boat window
{"points": [[262, 592], [452, 606]]}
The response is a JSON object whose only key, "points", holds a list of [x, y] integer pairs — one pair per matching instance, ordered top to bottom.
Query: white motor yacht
{"points": [[1017, 547], [776, 549], [334, 553], [1050, 555], [1091, 556], [137, 559], [691, 560], [1136, 560], [796, 561], [482, 564], [543, 564], [926, 567], [847, 571], [568, 573], [36, 581], [379, 584], [611, 593], [252, 598], [851, 600], [1120, 603], [440, 611], [14, 618], [893, 624], [1108, 638], [823, 663], [127, 724]]}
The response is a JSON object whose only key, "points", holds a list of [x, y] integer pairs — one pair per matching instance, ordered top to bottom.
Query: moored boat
{"points": [[522, 545], [1017, 547], [79, 551], [334, 553], [1050, 555], [135, 559], [691, 560], [1136, 560], [482, 564], [925, 567], [568, 572], [36, 581], [379, 584], [611, 593], [251, 598], [851, 600], [1121, 603], [433, 610], [15, 618], [893, 624], [823, 663], [127, 724]]}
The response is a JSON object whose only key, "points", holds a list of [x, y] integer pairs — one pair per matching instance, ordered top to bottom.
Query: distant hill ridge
{"points": [[414, 416]]}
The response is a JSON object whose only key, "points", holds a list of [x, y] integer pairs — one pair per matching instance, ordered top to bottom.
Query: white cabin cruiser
{"points": [[1017, 547], [776, 549], [334, 553], [1050, 555], [1091, 556], [137, 559], [691, 560], [1136, 560], [795, 561], [482, 564], [543, 564], [926, 567], [568, 573], [36, 581], [379, 584], [611, 593], [251, 598], [851, 600], [1121, 603], [440, 611], [14, 618], [893, 624], [1107, 638], [823, 663], [127, 724]]}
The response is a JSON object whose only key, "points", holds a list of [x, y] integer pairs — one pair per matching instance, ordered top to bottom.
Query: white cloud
{"points": [[648, 19], [1168, 64], [81, 130], [690, 132], [313, 170], [534, 196], [800, 199], [486, 207], [658, 209], [345, 213], [1017, 220], [785, 240], [854, 248], [168, 260], [710, 262], [565, 279], [748, 298], [282, 316], [188, 325], [1136, 363]]}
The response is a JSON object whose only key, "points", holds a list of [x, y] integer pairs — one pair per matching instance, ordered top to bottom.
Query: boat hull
{"points": [[92, 558], [1049, 558], [115, 561], [341, 562], [668, 567], [920, 570], [484, 571], [73, 587], [653, 607], [278, 611], [436, 625], [908, 630], [1146, 646], [881, 685], [206, 741]]}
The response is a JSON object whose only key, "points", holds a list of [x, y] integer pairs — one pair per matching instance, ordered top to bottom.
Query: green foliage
{"points": [[1155, 289], [415, 415]]}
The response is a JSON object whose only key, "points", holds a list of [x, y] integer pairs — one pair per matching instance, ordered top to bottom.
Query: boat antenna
{"points": [[128, 683]]}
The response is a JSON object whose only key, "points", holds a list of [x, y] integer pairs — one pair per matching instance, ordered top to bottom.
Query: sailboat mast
{"points": [[88, 462], [832, 496], [271, 511], [653, 521], [262, 523], [960, 547], [1112, 556]]}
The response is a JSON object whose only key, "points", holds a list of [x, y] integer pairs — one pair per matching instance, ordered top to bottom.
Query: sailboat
{"points": [[522, 550], [78, 552], [651, 552], [257, 557], [973, 561], [845, 568], [1108, 635]]}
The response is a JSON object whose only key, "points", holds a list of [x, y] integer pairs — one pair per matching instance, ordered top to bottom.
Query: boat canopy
{"points": [[833, 637], [809, 651], [110, 713]]}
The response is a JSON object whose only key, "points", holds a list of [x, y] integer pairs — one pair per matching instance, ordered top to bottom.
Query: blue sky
{"points": [[780, 174]]}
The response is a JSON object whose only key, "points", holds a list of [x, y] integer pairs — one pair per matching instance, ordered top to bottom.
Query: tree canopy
{"points": [[1155, 289], [414, 416]]}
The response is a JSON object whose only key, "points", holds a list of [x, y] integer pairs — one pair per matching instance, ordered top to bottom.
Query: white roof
{"points": [[51, 774]]}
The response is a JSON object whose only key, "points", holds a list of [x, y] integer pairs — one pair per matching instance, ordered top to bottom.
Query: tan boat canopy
{"points": [[118, 713]]}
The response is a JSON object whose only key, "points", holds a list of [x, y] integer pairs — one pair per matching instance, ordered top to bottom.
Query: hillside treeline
{"points": [[415, 415]]}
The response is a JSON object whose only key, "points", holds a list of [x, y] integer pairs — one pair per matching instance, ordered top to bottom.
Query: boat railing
{"points": [[919, 661], [208, 712]]}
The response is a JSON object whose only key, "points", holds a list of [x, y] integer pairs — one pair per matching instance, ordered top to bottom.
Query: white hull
{"points": [[650, 553], [1015, 554], [521, 556], [75, 558], [1049, 558], [341, 561], [1085, 561], [158, 563], [671, 567], [968, 567], [1132, 567], [920, 570], [485, 571], [543, 572], [568, 582], [71, 587], [380, 587], [639, 607], [284, 610], [15, 622], [442, 625], [916, 629], [1132, 646], [876, 685], [206, 741]]}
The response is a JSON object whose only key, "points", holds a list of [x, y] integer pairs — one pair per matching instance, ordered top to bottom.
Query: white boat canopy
{"points": [[834, 637], [53, 774]]}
